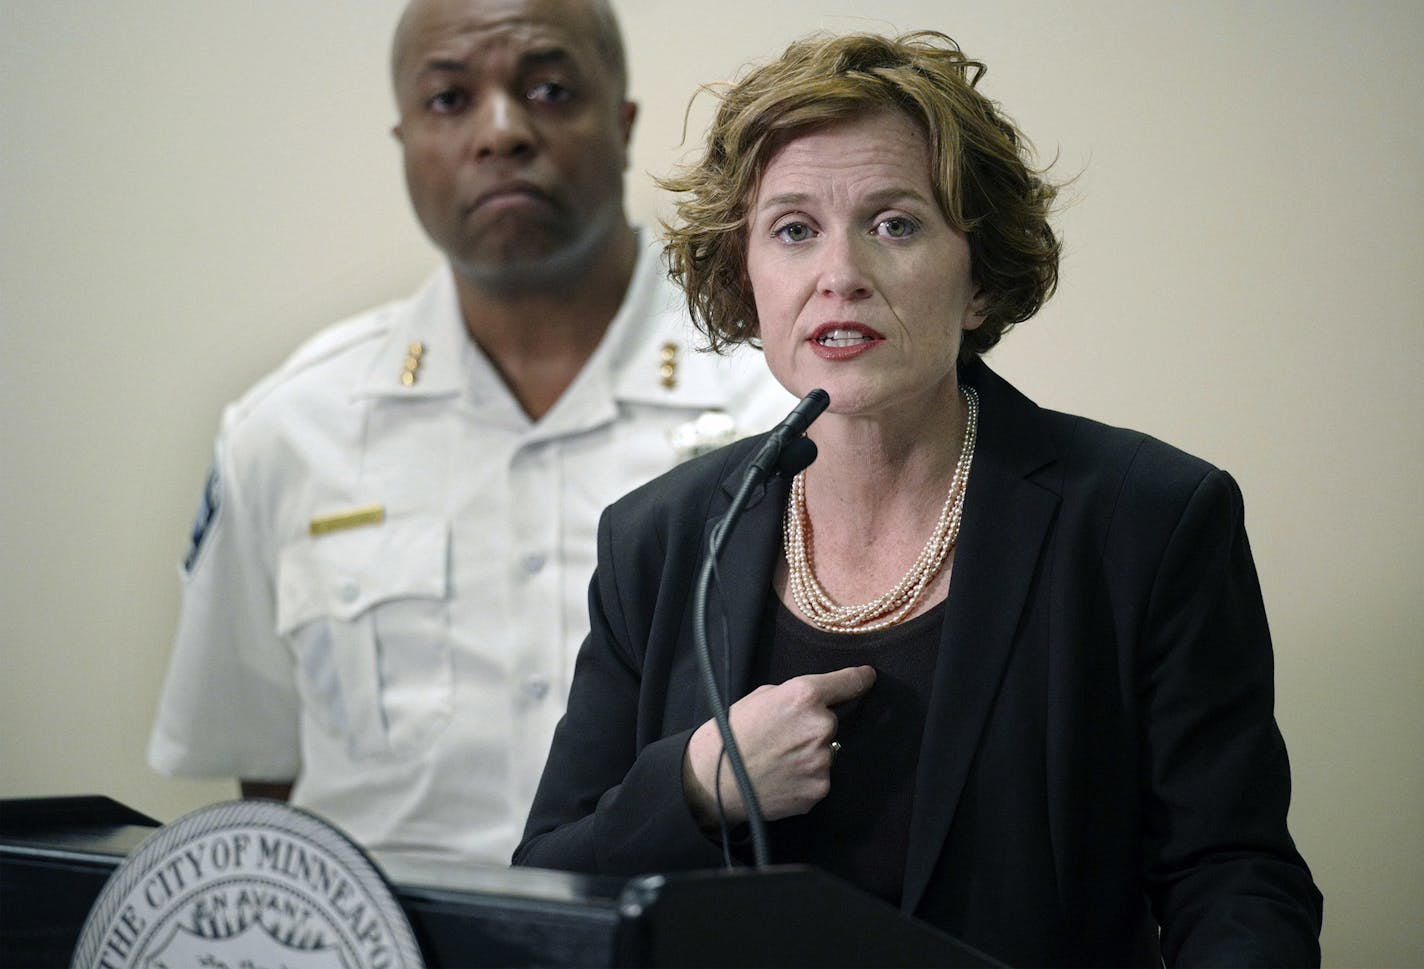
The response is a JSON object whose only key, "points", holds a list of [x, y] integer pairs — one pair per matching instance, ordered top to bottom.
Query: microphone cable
{"points": [[786, 451]]}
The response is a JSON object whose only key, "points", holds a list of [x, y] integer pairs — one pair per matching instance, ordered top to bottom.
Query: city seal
{"points": [[247, 883]]}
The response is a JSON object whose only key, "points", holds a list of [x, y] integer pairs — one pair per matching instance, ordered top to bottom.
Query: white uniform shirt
{"points": [[409, 672]]}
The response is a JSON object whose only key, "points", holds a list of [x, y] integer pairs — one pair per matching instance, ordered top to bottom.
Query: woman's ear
{"points": [[975, 312]]}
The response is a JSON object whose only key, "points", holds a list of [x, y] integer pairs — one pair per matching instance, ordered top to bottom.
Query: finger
{"points": [[841, 685]]}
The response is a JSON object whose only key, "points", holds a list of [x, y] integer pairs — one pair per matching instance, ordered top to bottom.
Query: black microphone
{"points": [[790, 429], [787, 452], [795, 457]]}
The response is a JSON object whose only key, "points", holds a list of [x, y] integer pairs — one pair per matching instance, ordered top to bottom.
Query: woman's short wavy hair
{"points": [[980, 169]]}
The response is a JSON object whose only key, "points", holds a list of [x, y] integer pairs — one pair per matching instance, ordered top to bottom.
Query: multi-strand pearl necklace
{"points": [[893, 606]]}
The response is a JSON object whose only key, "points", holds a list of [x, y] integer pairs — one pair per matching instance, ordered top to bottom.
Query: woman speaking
{"points": [[1004, 667]]}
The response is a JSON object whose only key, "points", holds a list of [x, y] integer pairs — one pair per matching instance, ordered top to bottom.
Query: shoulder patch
{"points": [[203, 520]]}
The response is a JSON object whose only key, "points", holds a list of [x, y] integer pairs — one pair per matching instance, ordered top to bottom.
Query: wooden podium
{"points": [[57, 853]]}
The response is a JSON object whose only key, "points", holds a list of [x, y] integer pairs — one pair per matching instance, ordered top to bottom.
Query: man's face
{"points": [[515, 136]]}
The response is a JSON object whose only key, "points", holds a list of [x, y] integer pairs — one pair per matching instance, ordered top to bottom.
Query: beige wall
{"points": [[188, 189]]}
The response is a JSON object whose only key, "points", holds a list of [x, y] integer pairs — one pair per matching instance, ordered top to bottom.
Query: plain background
{"points": [[187, 190]]}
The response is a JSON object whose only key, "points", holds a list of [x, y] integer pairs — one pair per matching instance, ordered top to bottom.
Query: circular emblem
{"points": [[706, 433], [257, 884]]}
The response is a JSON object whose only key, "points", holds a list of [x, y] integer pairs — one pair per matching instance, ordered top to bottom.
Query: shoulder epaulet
{"points": [[329, 344]]}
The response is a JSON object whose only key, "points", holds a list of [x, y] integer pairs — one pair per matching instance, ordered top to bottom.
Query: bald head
{"points": [[590, 18]]}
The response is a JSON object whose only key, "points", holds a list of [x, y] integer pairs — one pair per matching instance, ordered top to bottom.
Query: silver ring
{"points": [[835, 748]]}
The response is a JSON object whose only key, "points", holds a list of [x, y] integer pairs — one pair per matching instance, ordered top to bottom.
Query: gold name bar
{"points": [[354, 518]]}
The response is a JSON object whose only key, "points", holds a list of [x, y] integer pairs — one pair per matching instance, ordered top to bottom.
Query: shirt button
{"points": [[534, 563], [348, 590], [537, 687]]}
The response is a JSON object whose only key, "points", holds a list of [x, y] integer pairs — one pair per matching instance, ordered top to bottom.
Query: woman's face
{"points": [[861, 285]]}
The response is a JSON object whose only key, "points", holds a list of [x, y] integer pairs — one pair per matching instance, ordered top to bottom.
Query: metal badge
{"points": [[667, 368], [410, 372]]}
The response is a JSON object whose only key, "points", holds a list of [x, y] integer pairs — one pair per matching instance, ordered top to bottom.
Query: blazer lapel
{"points": [[1006, 519]]}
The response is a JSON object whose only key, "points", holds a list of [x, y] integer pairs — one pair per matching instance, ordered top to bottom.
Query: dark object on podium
{"points": [[57, 853]]}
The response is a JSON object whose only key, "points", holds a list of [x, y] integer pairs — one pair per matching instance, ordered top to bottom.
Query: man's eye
{"points": [[550, 92], [447, 102], [896, 227], [793, 232]]}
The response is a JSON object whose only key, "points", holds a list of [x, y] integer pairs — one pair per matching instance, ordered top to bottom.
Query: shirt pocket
{"points": [[366, 613]]}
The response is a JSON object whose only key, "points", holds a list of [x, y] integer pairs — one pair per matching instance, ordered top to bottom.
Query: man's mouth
{"points": [[515, 193]]}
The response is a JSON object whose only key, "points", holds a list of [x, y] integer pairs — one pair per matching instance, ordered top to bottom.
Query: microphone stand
{"points": [[787, 452]]}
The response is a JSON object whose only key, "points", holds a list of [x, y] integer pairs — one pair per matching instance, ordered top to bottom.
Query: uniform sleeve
{"points": [[229, 706], [608, 803], [1227, 884]]}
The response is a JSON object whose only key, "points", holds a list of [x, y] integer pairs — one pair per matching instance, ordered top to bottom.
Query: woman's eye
{"points": [[549, 92], [896, 227], [793, 232]]}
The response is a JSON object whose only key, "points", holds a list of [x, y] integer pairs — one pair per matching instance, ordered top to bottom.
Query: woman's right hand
{"points": [[784, 733]]}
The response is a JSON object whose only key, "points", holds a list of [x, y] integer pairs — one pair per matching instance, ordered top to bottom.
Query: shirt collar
{"points": [[427, 340], [653, 346], [649, 354]]}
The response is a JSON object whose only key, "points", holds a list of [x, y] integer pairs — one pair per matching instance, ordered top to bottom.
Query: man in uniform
{"points": [[387, 582]]}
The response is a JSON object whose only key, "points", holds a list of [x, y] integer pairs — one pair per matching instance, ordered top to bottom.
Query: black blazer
{"points": [[1100, 758]]}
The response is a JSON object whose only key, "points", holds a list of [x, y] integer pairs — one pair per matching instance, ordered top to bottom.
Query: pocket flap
{"points": [[341, 574]]}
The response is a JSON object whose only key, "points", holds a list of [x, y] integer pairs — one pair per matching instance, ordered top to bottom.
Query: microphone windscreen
{"points": [[795, 457]]}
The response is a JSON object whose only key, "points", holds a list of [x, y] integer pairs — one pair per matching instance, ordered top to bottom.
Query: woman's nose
{"points": [[501, 127], [844, 273]]}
